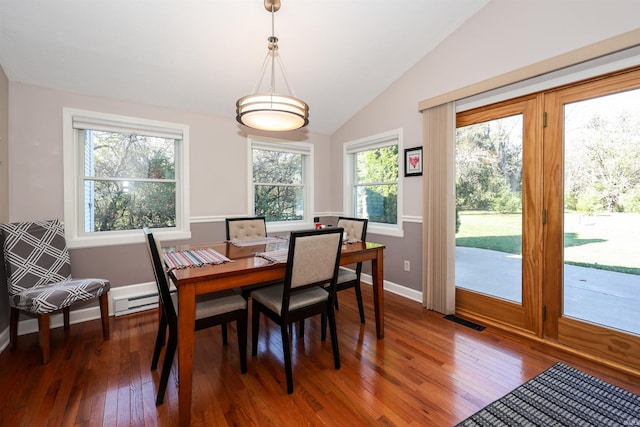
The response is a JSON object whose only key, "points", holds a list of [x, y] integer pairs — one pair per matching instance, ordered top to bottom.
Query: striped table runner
{"points": [[260, 241], [275, 256], [193, 258]]}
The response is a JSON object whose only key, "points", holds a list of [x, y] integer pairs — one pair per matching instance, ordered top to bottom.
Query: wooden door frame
{"points": [[526, 315], [598, 341]]}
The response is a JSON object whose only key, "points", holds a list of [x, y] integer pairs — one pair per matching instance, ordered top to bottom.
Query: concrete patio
{"points": [[597, 296]]}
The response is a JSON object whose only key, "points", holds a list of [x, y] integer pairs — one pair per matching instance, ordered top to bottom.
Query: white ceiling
{"points": [[203, 55]]}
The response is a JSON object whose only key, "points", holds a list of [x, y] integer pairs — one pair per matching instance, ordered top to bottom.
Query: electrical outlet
{"points": [[407, 265]]}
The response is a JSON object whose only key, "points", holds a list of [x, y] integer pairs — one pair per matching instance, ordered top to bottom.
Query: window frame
{"points": [[385, 139], [307, 151], [74, 173]]}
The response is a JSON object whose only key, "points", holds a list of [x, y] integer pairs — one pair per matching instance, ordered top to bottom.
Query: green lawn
{"points": [[606, 241]]}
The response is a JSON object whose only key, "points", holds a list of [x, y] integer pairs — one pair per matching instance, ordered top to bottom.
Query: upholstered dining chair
{"points": [[246, 228], [356, 229], [313, 261], [39, 279], [211, 310]]}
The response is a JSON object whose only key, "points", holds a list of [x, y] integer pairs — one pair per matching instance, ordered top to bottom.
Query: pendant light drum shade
{"points": [[271, 111]]}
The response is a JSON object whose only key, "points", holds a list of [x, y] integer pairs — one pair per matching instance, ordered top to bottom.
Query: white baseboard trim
{"points": [[394, 288]]}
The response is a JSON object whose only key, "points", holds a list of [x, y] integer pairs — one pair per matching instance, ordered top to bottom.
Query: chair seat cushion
{"points": [[346, 275], [50, 297], [271, 297], [214, 306]]}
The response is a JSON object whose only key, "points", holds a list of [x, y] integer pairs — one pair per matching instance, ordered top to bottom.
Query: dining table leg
{"points": [[377, 275], [186, 332]]}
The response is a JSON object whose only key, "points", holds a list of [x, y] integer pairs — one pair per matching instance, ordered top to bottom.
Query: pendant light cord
{"points": [[273, 47]]}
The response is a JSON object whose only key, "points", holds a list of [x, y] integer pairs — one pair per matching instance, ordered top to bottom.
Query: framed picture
{"points": [[413, 161]]}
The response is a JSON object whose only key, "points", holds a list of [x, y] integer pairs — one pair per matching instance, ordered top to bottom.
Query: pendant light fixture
{"points": [[270, 110]]}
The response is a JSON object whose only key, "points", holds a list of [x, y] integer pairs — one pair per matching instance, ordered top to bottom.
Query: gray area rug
{"points": [[561, 396]]}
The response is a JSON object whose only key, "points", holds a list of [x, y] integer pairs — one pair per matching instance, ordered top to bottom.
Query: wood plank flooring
{"points": [[426, 372]]}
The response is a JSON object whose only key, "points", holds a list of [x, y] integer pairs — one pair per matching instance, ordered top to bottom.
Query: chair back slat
{"points": [[35, 254]]}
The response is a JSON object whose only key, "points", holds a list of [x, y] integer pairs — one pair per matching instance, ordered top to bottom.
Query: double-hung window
{"points": [[122, 174], [281, 180], [372, 182]]}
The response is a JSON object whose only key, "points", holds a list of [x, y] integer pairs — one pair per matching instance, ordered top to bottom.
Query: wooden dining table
{"points": [[245, 269]]}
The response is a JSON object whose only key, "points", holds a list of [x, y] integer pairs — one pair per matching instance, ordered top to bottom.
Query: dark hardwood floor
{"points": [[427, 371]]}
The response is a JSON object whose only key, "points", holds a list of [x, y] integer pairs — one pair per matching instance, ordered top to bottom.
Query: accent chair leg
{"points": [[104, 314], [66, 317], [13, 328], [45, 337]]}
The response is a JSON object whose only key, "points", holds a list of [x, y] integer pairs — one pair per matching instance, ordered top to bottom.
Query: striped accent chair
{"points": [[39, 279]]}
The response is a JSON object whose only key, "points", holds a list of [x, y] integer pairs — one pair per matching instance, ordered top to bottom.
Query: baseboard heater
{"points": [[135, 304]]}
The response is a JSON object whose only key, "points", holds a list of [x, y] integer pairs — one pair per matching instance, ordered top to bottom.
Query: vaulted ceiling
{"points": [[203, 55]]}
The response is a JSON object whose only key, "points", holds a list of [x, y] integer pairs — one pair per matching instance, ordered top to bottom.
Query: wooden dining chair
{"points": [[246, 228], [355, 229], [312, 262], [38, 267], [211, 310]]}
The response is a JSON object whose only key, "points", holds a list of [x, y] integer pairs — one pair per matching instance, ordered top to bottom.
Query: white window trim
{"points": [[374, 141], [294, 147], [73, 229]]}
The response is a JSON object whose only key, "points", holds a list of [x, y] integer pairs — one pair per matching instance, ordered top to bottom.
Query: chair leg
{"points": [[359, 299], [335, 301], [104, 314], [65, 316], [255, 321], [241, 326], [323, 326], [13, 328], [301, 329], [224, 334], [45, 337], [334, 337], [160, 339], [286, 349], [166, 367]]}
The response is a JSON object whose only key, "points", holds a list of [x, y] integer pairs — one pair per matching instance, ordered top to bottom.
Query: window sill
{"points": [[385, 230], [123, 238]]}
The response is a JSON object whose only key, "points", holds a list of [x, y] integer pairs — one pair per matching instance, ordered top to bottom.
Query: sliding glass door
{"points": [[592, 196], [497, 206]]}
